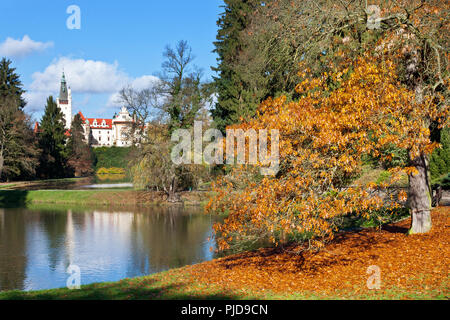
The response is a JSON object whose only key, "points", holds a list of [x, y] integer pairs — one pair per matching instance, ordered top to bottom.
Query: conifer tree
{"points": [[10, 83], [235, 99], [52, 141], [18, 151]]}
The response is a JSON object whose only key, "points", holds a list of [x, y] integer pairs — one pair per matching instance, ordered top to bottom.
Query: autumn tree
{"points": [[324, 34], [323, 137], [80, 157]]}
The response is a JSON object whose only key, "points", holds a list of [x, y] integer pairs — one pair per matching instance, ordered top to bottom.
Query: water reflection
{"points": [[37, 246], [13, 259]]}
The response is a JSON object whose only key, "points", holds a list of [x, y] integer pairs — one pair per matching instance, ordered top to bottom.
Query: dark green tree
{"points": [[10, 83], [235, 98], [52, 141], [18, 151], [80, 154], [440, 159]]}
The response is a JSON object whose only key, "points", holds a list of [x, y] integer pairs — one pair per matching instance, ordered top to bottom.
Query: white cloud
{"points": [[20, 48], [83, 77], [137, 84], [36, 100]]}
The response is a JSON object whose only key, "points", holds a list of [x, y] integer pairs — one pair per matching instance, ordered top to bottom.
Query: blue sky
{"points": [[119, 43]]}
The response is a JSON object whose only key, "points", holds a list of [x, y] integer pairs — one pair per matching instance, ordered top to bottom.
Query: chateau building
{"points": [[98, 132]]}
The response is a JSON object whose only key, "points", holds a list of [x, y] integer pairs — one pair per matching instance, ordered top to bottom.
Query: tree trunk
{"points": [[2, 162], [172, 195], [420, 197]]}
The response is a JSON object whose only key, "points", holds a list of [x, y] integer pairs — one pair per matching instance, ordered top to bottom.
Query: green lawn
{"points": [[75, 197], [176, 284]]}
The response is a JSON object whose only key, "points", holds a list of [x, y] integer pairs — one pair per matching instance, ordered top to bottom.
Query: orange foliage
{"points": [[323, 136]]}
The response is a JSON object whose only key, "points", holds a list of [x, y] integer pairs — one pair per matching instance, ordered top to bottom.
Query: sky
{"points": [[116, 44]]}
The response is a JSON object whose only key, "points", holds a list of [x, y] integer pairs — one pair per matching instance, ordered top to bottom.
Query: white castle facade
{"points": [[98, 132]]}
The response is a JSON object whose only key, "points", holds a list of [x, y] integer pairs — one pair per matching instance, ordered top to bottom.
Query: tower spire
{"points": [[63, 94]]}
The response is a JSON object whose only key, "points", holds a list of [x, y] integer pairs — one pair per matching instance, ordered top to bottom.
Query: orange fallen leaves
{"points": [[413, 263]]}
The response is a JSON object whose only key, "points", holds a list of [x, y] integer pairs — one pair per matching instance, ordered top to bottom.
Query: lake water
{"points": [[38, 245]]}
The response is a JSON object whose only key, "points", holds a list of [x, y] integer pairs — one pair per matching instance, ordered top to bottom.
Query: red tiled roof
{"points": [[99, 122], [108, 123]]}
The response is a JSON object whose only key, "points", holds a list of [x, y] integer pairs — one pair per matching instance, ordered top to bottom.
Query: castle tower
{"points": [[65, 101]]}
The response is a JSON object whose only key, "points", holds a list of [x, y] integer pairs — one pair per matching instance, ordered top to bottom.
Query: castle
{"points": [[98, 132]]}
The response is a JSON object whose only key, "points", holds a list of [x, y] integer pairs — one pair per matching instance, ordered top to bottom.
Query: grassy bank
{"points": [[114, 197], [412, 267], [178, 284]]}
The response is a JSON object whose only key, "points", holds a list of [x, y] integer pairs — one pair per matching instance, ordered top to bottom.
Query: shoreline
{"points": [[107, 197]]}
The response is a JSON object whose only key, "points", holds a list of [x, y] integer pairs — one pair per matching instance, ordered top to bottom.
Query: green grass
{"points": [[378, 175], [37, 182], [6, 186], [103, 197], [120, 197], [176, 284], [164, 285]]}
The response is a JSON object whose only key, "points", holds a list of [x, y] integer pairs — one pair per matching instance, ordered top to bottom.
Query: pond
{"points": [[38, 245]]}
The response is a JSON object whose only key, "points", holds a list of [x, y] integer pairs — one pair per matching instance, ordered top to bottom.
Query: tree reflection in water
{"points": [[37, 245]]}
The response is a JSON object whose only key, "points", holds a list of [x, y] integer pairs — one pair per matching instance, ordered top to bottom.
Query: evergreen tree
{"points": [[10, 83], [235, 99], [52, 141], [18, 151], [80, 154]]}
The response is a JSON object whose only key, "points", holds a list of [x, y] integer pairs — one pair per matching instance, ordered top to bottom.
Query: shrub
{"points": [[440, 158]]}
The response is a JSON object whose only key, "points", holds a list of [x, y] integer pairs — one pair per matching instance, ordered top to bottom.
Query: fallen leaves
{"points": [[413, 263]]}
